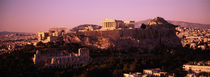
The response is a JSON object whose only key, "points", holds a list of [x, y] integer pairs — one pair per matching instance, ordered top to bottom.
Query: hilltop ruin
{"points": [[157, 32]]}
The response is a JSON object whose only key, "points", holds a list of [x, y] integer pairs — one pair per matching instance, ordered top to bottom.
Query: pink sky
{"points": [[39, 15]]}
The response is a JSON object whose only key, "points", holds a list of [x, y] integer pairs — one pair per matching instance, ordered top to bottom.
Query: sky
{"points": [[40, 15]]}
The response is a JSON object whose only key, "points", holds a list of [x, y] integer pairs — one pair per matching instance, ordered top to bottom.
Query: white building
{"points": [[196, 68], [151, 71], [156, 72], [137, 74]]}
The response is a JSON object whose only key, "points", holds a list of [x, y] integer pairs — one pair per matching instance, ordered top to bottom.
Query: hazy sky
{"points": [[39, 15]]}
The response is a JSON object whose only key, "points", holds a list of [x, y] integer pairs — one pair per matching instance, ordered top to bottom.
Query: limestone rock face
{"points": [[157, 21], [160, 23], [86, 27], [167, 31], [158, 32], [72, 38], [76, 39], [96, 41], [102, 43]]}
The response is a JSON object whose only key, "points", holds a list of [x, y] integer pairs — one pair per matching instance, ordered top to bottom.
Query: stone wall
{"points": [[157, 32], [128, 38], [61, 59]]}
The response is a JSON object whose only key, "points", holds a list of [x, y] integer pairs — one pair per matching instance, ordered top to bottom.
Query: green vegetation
{"points": [[143, 26], [106, 63]]}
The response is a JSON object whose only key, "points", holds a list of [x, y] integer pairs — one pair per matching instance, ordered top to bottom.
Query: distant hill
{"points": [[138, 23], [181, 23], [189, 24], [84, 26], [6, 32]]}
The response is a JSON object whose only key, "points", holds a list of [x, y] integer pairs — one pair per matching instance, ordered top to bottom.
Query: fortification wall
{"points": [[116, 34], [128, 38]]}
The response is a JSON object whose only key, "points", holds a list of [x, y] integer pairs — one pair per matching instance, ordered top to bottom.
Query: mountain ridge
{"points": [[181, 23]]}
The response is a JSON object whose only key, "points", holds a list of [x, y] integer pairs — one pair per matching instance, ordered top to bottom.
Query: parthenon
{"points": [[111, 24]]}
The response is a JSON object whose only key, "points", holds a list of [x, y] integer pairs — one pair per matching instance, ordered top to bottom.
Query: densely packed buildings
{"points": [[194, 37], [10, 41], [196, 68], [193, 70], [155, 72]]}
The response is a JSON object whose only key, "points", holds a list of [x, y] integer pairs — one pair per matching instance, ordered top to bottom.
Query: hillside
{"points": [[181, 23], [85, 26], [158, 32], [6, 33]]}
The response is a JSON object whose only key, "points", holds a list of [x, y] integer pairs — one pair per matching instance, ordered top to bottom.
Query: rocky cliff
{"points": [[181, 23], [157, 32]]}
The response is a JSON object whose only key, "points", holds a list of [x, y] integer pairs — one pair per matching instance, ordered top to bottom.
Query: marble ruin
{"points": [[111, 24], [51, 35], [61, 59]]}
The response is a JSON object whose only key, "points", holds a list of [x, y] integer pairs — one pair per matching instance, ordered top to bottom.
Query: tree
{"points": [[143, 26], [40, 44], [50, 45], [28, 47]]}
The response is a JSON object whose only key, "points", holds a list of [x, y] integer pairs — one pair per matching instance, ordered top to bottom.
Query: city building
{"points": [[42, 35], [194, 37], [196, 68], [151, 71], [155, 72], [136, 74], [191, 75]]}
